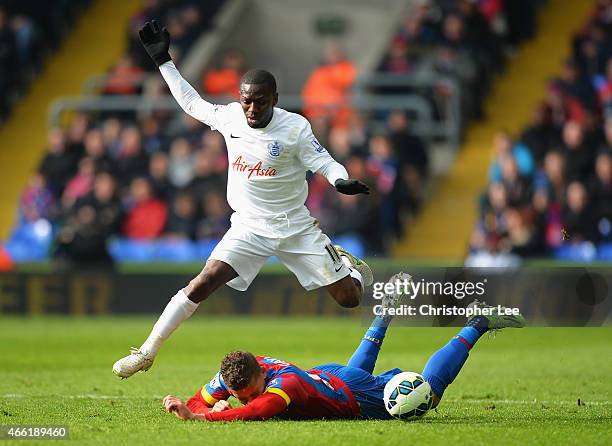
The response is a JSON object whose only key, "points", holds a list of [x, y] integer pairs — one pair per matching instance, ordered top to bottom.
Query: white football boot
{"points": [[391, 300], [136, 361]]}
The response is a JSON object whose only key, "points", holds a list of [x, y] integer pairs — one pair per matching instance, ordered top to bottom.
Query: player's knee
{"points": [[200, 287], [348, 297]]}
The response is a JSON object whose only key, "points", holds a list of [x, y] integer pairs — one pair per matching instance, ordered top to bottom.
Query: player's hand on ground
{"points": [[156, 41], [351, 187], [173, 404], [220, 406]]}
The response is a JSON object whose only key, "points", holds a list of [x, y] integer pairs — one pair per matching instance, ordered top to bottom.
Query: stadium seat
{"points": [[30, 242], [204, 248], [126, 250], [176, 250], [580, 252], [604, 252]]}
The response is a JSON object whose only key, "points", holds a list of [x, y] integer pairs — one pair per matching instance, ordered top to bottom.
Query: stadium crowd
{"points": [[29, 31], [154, 184], [550, 188]]}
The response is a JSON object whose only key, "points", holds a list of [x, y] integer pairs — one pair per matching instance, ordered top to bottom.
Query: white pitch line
{"points": [[94, 396], [553, 402]]}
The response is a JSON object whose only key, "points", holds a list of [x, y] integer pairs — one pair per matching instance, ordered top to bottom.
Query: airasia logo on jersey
{"points": [[258, 170]]}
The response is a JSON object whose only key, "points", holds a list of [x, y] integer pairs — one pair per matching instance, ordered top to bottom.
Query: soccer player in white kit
{"points": [[269, 150]]}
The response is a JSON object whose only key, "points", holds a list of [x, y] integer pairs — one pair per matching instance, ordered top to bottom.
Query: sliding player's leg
{"points": [[236, 260], [367, 352], [444, 365]]}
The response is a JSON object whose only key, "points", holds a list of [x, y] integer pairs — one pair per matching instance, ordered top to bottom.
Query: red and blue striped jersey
{"points": [[307, 393]]}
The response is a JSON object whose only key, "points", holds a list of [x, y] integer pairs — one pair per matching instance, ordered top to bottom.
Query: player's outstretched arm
{"points": [[157, 44]]}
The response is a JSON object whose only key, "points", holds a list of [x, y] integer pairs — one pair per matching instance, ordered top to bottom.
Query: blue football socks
{"points": [[366, 354], [445, 364]]}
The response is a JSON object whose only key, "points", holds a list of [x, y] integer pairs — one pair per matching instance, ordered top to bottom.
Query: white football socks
{"points": [[354, 273], [178, 309]]}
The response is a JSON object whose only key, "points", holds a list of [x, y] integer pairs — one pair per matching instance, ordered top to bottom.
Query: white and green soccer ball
{"points": [[408, 396]]}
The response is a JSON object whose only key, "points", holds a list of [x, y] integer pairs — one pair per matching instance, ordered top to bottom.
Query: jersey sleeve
{"points": [[213, 115], [316, 158], [289, 388], [215, 390], [265, 406]]}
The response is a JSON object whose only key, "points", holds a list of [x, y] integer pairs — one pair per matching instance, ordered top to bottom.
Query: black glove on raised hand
{"points": [[156, 42], [351, 187]]}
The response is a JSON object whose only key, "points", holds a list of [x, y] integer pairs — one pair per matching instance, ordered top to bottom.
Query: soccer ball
{"points": [[407, 396]]}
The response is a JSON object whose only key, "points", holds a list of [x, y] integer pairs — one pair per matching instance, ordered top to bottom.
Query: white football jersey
{"points": [[266, 184]]}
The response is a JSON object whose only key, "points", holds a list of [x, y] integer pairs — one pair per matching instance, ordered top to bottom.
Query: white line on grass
{"points": [[95, 396]]}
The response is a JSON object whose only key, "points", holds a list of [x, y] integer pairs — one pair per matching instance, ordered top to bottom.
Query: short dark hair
{"points": [[257, 76], [238, 368]]}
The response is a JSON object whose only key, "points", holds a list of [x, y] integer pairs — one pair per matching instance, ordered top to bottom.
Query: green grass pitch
{"points": [[520, 388]]}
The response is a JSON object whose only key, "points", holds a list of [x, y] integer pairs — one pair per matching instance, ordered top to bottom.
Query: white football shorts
{"points": [[309, 255]]}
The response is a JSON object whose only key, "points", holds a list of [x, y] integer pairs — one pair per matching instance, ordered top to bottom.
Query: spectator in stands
{"points": [[479, 34], [26, 37], [397, 60], [124, 78], [225, 80], [576, 86], [604, 89], [326, 91], [562, 108], [111, 131], [75, 135], [540, 135], [152, 138], [340, 144], [214, 146], [503, 147], [408, 149], [96, 150], [579, 159], [131, 160], [412, 161], [57, 166], [383, 168], [180, 169], [158, 176], [553, 177], [205, 178], [81, 184], [517, 187], [600, 191], [37, 201], [105, 201], [360, 213], [146, 215], [577, 216], [493, 218], [182, 219], [216, 220], [89, 224], [522, 238]]}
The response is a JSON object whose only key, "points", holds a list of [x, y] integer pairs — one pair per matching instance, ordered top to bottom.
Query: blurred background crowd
{"points": [[29, 34], [131, 185], [550, 187]]}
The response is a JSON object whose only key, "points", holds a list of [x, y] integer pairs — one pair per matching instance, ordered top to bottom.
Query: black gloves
{"points": [[156, 42], [351, 187]]}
